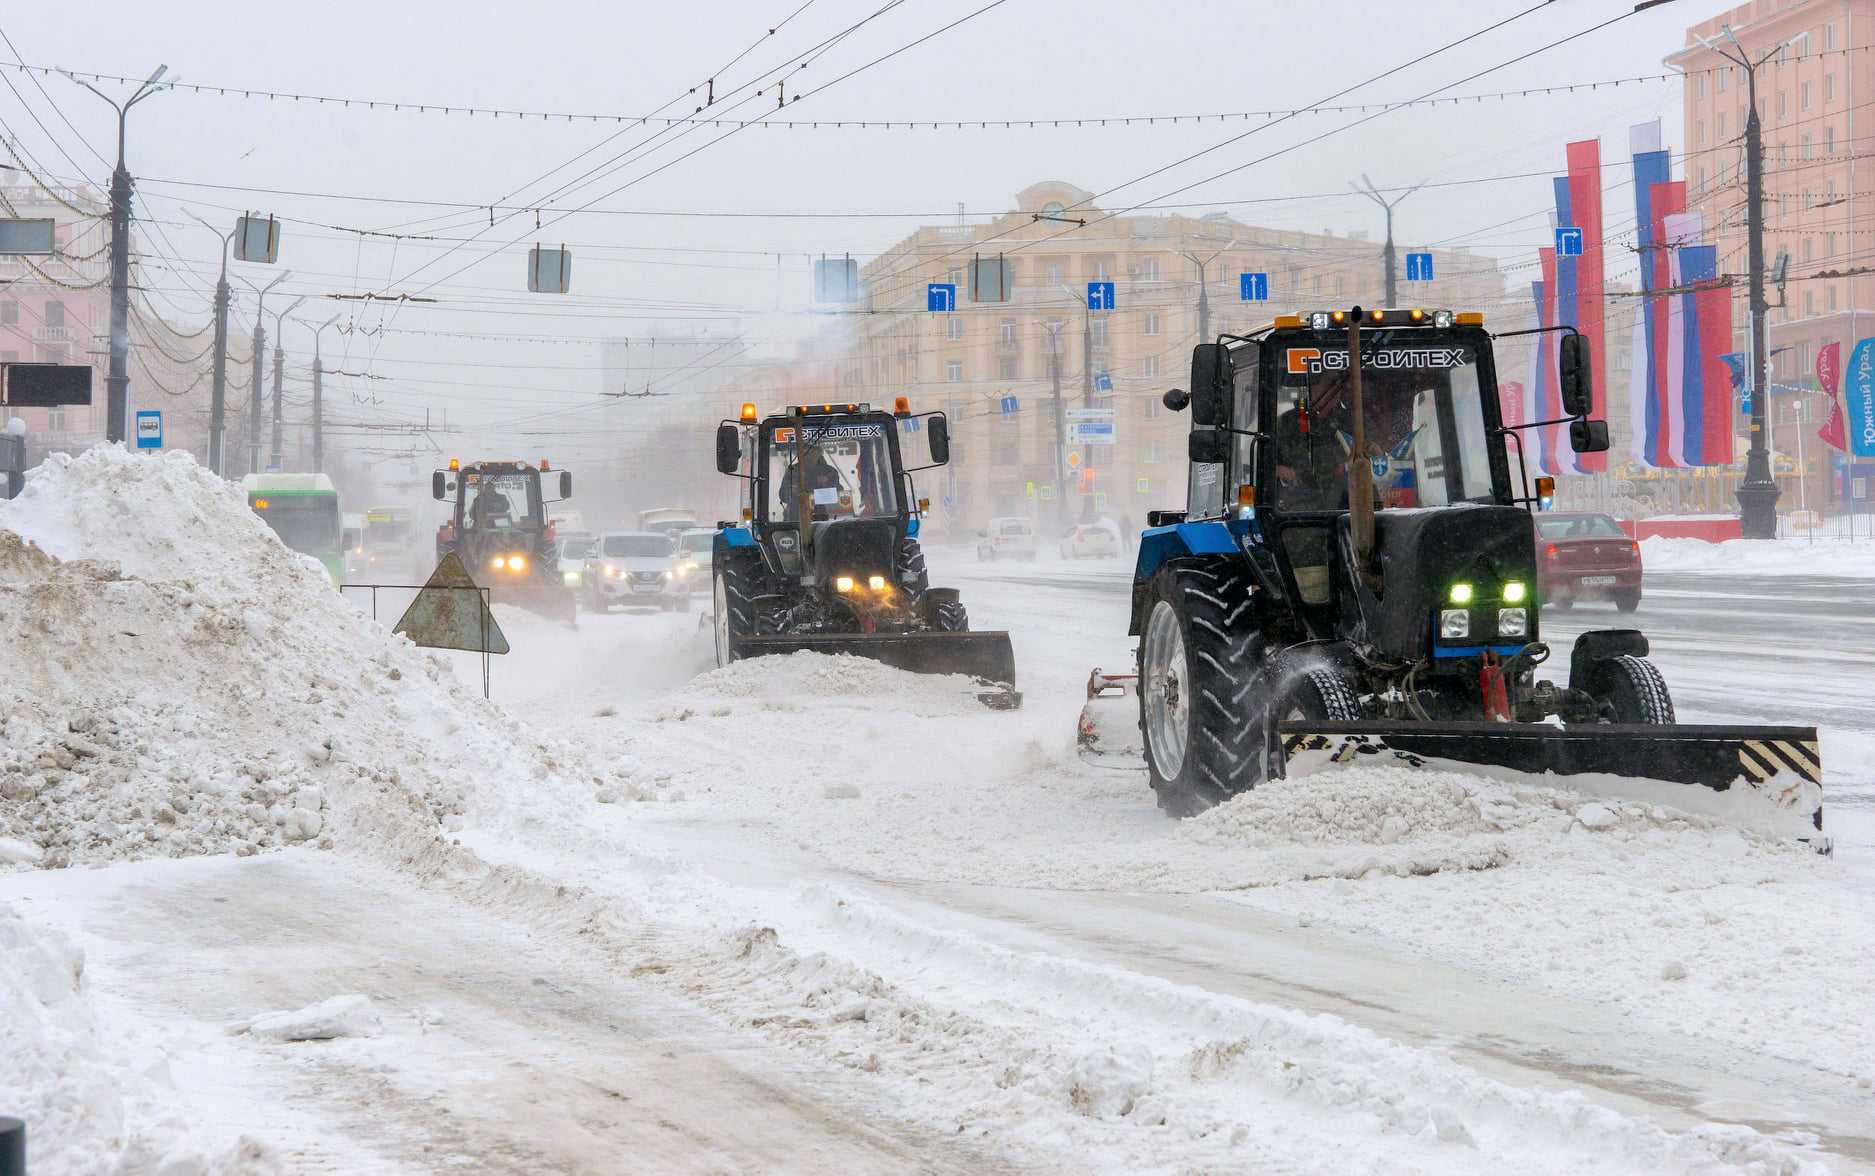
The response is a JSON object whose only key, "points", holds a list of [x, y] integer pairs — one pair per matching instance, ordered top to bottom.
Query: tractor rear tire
{"points": [[909, 570], [737, 597], [1635, 690], [1321, 695], [1202, 705]]}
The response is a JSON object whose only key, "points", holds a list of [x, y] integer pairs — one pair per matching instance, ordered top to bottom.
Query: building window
{"points": [[1829, 35], [1699, 85], [1829, 88], [1803, 96], [1719, 125], [1700, 131], [1829, 140], [1803, 147], [1702, 179], [1830, 245], [1806, 248], [1149, 269], [1054, 273], [955, 277], [1832, 296], [1809, 303], [9, 312], [55, 314], [1152, 322], [954, 328], [1097, 330], [1006, 334], [9, 357], [1009, 368], [1150, 368], [954, 371], [1153, 407], [55, 419], [1151, 455]]}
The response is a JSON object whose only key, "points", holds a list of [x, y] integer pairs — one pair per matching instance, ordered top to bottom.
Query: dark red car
{"points": [[1586, 557]]}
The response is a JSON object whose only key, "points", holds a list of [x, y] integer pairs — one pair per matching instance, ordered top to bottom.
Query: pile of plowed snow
{"points": [[857, 681], [179, 682]]}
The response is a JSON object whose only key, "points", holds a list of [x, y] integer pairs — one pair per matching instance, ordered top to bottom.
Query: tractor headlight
{"points": [[1442, 319], [1319, 320], [499, 562], [517, 563], [843, 583], [876, 583], [1514, 591], [1460, 594], [1454, 622], [1512, 622]]}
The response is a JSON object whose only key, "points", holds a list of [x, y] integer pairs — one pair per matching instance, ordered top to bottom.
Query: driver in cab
{"points": [[1311, 450], [823, 482]]}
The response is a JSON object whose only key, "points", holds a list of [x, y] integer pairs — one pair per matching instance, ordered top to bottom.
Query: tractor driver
{"points": [[1311, 453], [820, 476]]}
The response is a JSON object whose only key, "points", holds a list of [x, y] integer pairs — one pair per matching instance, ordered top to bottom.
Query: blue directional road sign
{"points": [[1568, 241], [1419, 267], [1253, 287], [1100, 295], [940, 296], [1103, 382], [1011, 406], [149, 429]]}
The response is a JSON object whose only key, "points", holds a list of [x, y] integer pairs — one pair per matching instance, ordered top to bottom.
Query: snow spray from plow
{"points": [[1767, 779]]}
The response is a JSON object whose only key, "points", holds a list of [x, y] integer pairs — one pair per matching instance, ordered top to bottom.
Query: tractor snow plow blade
{"points": [[985, 656], [1108, 733], [1769, 779]]}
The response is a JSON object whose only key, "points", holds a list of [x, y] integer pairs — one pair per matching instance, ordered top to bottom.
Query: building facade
{"points": [[1013, 375]]}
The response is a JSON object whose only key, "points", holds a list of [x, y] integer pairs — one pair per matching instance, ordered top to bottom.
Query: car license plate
{"points": [[1598, 581]]}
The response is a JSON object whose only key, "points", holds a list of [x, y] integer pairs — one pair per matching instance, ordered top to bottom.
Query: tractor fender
{"points": [[737, 537], [1213, 537], [1600, 645]]}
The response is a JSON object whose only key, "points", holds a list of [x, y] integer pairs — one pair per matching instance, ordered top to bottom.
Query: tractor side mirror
{"points": [[1210, 369], [1578, 395], [1175, 399], [937, 431], [1588, 436], [1208, 446], [728, 448], [566, 483], [439, 485]]}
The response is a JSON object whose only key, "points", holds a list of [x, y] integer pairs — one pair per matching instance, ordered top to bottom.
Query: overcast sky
{"points": [[1021, 59]]}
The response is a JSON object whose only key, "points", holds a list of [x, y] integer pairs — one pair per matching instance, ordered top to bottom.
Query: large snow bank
{"points": [[1762, 557], [178, 682], [94, 1104]]}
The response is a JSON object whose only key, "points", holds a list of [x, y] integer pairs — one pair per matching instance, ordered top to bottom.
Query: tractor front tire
{"points": [[908, 568], [735, 600], [944, 611], [1635, 690], [1202, 704]]}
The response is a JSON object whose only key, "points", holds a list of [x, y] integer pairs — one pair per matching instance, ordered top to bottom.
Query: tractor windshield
{"points": [[1423, 418], [848, 470], [499, 502]]}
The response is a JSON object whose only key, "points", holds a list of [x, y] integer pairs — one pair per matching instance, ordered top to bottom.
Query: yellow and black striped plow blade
{"points": [[1769, 779]]}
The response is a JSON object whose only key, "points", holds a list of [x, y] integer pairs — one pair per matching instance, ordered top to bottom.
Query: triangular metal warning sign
{"points": [[451, 613]]}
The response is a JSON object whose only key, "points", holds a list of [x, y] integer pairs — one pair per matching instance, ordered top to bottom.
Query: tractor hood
{"points": [[854, 547], [1422, 553]]}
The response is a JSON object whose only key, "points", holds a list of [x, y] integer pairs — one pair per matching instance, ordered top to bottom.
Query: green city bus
{"points": [[303, 509]]}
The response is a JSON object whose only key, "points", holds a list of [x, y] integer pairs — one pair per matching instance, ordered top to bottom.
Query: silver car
{"points": [[694, 560], [635, 567]]}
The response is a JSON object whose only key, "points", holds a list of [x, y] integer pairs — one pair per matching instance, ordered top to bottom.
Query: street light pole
{"points": [[1388, 256], [1204, 299], [1053, 327], [260, 358], [117, 380], [218, 398], [318, 400], [278, 459], [1757, 494]]}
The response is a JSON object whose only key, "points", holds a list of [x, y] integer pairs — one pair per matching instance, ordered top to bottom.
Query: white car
{"points": [[1007, 538], [1090, 541], [694, 552], [635, 567]]}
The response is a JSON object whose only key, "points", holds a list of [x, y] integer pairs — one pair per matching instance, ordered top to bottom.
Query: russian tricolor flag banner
{"points": [[1578, 298], [1542, 396]]}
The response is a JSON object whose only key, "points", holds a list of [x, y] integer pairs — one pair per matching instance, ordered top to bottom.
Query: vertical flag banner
{"points": [[1663, 201], [1585, 212], [1828, 370], [1646, 393], [1859, 393], [1545, 398], [1510, 402]]}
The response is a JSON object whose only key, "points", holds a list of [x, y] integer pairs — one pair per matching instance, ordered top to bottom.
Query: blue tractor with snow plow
{"points": [[827, 556], [1352, 581]]}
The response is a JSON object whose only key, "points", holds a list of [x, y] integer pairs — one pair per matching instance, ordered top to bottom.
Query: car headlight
{"points": [[499, 562], [517, 563], [611, 572], [569, 577], [843, 583], [876, 583], [1454, 622], [1512, 622]]}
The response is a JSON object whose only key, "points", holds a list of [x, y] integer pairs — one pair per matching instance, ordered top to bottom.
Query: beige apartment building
{"points": [[1819, 177], [1170, 273]]}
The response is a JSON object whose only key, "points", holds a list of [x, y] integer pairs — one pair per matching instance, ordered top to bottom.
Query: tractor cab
{"points": [[498, 527]]}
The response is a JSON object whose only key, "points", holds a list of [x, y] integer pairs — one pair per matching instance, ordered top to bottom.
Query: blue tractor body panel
{"points": [[1209, 537]]}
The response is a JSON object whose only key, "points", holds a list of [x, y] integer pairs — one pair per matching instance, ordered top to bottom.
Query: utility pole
{"points": [[1390, 259], [1204, 299], [1053, 327], [260, 358], [117, 380], [218, 398], [318, 400], [278, 460], [1757, 494]]}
